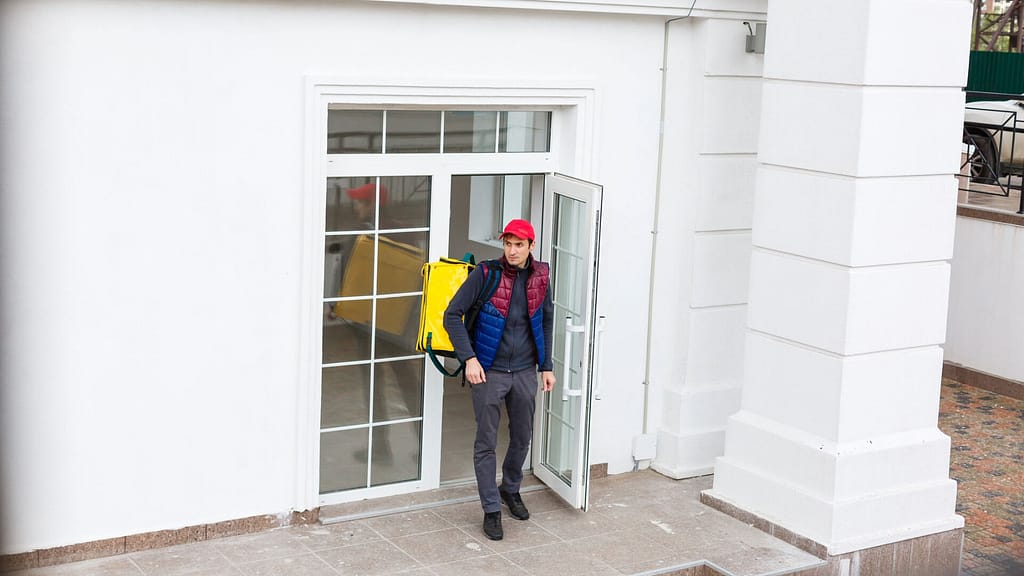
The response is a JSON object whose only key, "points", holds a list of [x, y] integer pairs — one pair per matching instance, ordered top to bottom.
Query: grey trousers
{"points": [[518, 391]]}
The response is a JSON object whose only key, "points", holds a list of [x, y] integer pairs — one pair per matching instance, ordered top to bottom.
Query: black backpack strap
{"points": [[492, 274]]}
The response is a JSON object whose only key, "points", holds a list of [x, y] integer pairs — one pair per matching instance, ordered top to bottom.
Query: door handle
{"points": [[570, 328], [599, 345]]}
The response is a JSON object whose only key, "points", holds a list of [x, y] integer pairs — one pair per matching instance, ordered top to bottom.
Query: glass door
{"points": [[570, 244], [372, 395]]}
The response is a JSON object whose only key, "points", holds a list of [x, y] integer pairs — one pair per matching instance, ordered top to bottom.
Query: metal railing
{"points": [[993, 145]]}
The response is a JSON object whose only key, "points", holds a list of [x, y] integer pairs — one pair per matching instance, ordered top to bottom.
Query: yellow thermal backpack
{"points": [[441, 280]]}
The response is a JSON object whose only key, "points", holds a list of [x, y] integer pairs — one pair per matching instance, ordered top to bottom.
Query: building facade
{"points": [[177, 188]]}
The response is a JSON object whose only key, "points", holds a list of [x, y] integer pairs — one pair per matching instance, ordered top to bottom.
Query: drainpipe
{"points": [[656, 224]]}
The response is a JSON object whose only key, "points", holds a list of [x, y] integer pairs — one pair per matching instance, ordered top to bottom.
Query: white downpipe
{"points": [[656, 223]]}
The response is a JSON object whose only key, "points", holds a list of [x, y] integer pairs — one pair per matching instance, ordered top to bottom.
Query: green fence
{"points": [[996, 72]]}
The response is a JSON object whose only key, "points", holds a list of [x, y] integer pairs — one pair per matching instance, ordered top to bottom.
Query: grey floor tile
{"points": [[464, 514], [407, 524], [573, 524], [519, 535], [316, 537], [260, 546], [442, 546], [618, 549], [369, 559], [180, 560], [560, 560], [493, 564], [304, 565], [115, 566]]}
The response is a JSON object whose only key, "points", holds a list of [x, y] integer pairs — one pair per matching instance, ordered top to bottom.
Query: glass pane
{"points": [[354, 131], [413, 131], [469, 131], [525, 132], [405, 202], [351, 203], [356, 256], [400, 261], [332, 266], [397, 321], [345, 341], [397, 390], [345, 396], [560, 447], [396, 453], [343, 460]]}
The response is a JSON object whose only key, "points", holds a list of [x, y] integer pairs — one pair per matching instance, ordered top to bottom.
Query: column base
{"points": [[936, 554]]}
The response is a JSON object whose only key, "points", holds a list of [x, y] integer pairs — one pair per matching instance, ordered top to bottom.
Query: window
{"points": [[437, 132]]}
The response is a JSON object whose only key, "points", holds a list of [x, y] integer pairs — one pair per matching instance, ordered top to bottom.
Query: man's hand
{"points": [[475, 372], [547, 380]]}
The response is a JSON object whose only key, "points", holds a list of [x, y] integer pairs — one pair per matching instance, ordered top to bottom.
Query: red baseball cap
{"points": [[366, 193], [520, 229]]}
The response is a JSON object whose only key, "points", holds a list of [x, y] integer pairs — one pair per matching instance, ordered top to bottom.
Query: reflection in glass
{"points": [[354, 131], [411, 131], [469, 131], [525, 132], [351, 203], [407, 204], [400, 262], [332, 266], [357, 268], [397, 321], [346, 342], [397, 390], [345, 396], [396, 453], [343, 459]]}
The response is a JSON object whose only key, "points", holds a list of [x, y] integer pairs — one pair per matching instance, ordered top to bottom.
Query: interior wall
{"points": [[152, 233]]}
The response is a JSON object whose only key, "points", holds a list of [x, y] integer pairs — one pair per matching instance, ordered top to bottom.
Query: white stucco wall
{"points": [[152, 232], [701, 275], [986, 286]]}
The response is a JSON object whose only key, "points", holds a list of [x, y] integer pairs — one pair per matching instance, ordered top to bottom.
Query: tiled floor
{"points": [[987, 432], [641, 524]]}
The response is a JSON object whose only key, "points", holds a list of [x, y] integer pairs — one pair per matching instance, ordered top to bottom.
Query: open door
{"points": [[570, 239]]}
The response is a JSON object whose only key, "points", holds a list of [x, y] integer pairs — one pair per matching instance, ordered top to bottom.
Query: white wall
{"points": [[712, 110], [152, 232], [985, 291]]}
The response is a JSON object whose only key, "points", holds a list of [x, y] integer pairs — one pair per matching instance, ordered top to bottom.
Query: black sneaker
{"points": [[515, 505], [492, 526]]}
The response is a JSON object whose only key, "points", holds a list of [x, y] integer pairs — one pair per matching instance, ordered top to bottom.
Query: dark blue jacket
{"points": [[513, 329]]}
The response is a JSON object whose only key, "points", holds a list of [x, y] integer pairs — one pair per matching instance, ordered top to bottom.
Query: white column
{"points": [[836, 438]]}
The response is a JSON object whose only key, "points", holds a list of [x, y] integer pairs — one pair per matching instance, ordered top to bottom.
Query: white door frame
{"points": [[576, 106]]}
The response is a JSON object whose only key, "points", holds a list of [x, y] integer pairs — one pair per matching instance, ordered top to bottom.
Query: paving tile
{"points": [[987, 434], [407, 524], [573, 524], [519, 535], [317, 537], [260, 546], [443, 546], [369, 559], [180, 560], [561, 560], [493, 564], [304, 565], [114, 566]]}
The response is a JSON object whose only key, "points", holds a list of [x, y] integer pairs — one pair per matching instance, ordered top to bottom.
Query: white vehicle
{"points": [[994, 131]]}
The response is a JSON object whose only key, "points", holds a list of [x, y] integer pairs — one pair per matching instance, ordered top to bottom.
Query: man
{"points": [[511, 342]]}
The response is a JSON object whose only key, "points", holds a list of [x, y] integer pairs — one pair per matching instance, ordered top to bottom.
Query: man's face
{"points": [[516, 250]]}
